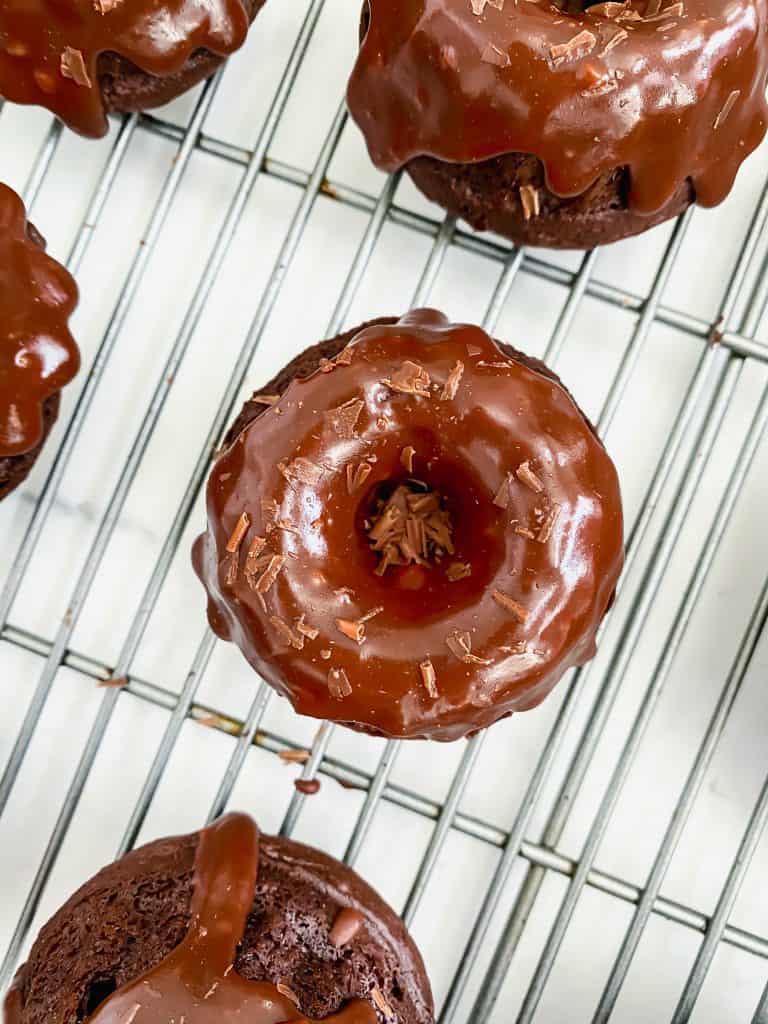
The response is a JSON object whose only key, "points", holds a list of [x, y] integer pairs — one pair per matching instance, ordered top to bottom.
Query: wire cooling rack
{"points": [[597, 858]]}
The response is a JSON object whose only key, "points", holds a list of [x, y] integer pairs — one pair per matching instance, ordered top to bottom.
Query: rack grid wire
{"points": [[543, 931]]}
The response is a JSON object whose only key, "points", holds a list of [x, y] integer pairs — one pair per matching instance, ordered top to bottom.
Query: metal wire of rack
{"points": [[529, 851]]}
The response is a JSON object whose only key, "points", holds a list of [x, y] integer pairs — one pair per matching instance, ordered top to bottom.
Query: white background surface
{"points": [[463, 288]]}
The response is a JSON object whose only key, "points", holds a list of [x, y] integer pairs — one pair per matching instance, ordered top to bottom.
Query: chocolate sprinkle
{"points": [[73, 67], [410, 379], [451, 385], [343, 419], [302, 470], [357, 475], [526, 476], [410, 527], [240, 530], [458, 571], [270, 574], [510, 605], [353, 630], [459, 643], [429, 678], [338, 683], [381, 1003]]}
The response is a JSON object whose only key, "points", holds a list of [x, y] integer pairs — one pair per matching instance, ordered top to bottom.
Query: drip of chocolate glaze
{"points": [[50, 51], [673, 91], [38, 355], [197, 983]]}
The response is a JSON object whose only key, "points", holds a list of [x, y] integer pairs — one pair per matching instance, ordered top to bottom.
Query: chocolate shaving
{"points": [[105, 6], [478, 6], [611, 9], [618, 37], [579, 46], [493, 55], [73, 67], [727, 108], [529, 200], [344, 358], [410, 379], [451, 385], [266, 399], [343, 419], [406, 458], [302, 470], [357, 475], [526, 476], [501, 500], [270, 510], [287, 525], [410, 528], [545, 530], [523, 531], [239, 532], [253, 560], [231, 569], [458, 571], [270, 574], [510, 605], [371, 614], [353, 630], [308, 631], [291, 637], [459, 643], [325, 654], [429, 678], [338, 683], [284, 990], [379, 1001]]}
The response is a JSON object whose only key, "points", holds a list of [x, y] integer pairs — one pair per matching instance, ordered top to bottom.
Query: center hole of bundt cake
{"points": [[409, 525]]}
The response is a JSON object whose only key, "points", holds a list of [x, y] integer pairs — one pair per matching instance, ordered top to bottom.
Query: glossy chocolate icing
{"points": [[50, 50], [670, 90], [38, 355], [287, 560], [196, 983]]}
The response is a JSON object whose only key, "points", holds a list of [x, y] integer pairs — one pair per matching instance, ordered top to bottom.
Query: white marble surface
{"points": [[312, 285]]}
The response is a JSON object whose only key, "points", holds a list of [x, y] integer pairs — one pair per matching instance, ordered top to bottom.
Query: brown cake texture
{"points": [[488, 194], [135, 912]]}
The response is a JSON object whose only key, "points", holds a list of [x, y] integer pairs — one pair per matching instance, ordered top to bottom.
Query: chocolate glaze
{"points": [[50, 52], [673, 91], [38, 355], [536, 593], [196, 982]]}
